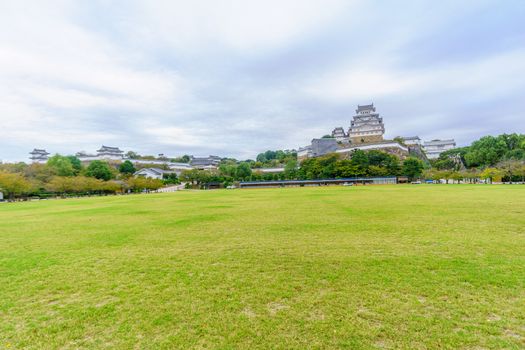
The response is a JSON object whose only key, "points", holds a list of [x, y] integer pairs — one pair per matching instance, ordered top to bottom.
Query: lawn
{"points": [[402, 267]]}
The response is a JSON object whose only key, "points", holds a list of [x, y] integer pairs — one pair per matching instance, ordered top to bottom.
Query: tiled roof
{"points": [[365, 107]]}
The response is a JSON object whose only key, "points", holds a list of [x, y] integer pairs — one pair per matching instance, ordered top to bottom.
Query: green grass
{"points": [[404, 267]]}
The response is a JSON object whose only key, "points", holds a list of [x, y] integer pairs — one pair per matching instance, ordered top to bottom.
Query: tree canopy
{"points": [[62, 165], [127, 168], [99, 170]]}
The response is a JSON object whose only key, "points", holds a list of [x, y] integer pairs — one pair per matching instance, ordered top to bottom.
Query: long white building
{"points": [[435, 147]]}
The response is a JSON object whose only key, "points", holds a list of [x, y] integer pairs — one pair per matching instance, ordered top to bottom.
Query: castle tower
{"points": [[367, 126], [340, 135], [38, 155]]}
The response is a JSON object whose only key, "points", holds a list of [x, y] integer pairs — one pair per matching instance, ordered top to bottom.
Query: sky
{"points": [[237, 77]]}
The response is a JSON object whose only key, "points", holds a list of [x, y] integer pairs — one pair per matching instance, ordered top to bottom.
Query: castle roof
{"points": [[365, 108], [439, 142], [110, 149], [38, 151], [205, 161]]}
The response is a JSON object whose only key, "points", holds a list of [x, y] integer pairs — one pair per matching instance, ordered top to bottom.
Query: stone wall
{"points": [[366, 139], [401, 154], [301, 158]]}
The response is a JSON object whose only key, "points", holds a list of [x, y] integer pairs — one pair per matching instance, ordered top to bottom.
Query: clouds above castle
{"points": [[238, 77]]}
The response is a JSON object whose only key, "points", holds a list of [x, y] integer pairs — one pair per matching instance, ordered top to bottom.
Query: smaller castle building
{"points": [[339, 135], [411, 140], [435, 147], [106, 152], [38, 155], [210, 162]]}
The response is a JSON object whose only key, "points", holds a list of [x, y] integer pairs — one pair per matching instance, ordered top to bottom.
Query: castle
{"points": [[366, 127], [366, 132]]}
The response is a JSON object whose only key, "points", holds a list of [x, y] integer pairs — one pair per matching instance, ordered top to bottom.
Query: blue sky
{"points": [[235, 78]]}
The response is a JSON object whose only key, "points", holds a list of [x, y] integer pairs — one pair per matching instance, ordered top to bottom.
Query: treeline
{"points": [[499, 158], [273, 159], [361, 164], [505, 171], [66, 175]]}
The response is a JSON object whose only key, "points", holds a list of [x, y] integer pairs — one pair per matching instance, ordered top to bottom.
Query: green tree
{"points": [[400, 140], [489, 150], [132, 155], [184, 159], [360, 161], [76, 163], [62, 165], [127, 168], [345, 168], [412, 168], [290, 169], [99, 170], [243, 171], [42, 173], [491, 174], [457, 176], [170, 178], [14, 184], [137, 184]]}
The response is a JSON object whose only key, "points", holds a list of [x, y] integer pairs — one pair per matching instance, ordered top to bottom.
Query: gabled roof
{"points": [[365, 108], [439, 142], [110, 149], [38, 151], [155, 171]]}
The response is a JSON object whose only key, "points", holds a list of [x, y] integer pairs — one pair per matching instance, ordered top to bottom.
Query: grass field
{"points": [[404, 267]]}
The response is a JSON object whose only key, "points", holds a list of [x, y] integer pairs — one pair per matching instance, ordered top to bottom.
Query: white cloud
{"points": [[246, 26], [53, 73], [234, 77], [487, 77]]}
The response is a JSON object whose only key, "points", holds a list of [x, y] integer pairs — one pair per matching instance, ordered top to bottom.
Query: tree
{"points": [[400, 140], [490, 150], [132, 155], [276, 158], [184, 159], [360, 161], [76, 163], [384, 163], [62, 165], [127, 168], [345, 168], [412, 168], [228, 169], [290, 169], [99, 170], [375, 170], [512, 170], [243, 171], [40, 172], [433, 174], [490, 174], [447, 175], [196, 176], [456, 176], [170, 178], [141, 183], [14, 184], [61, 184]]}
